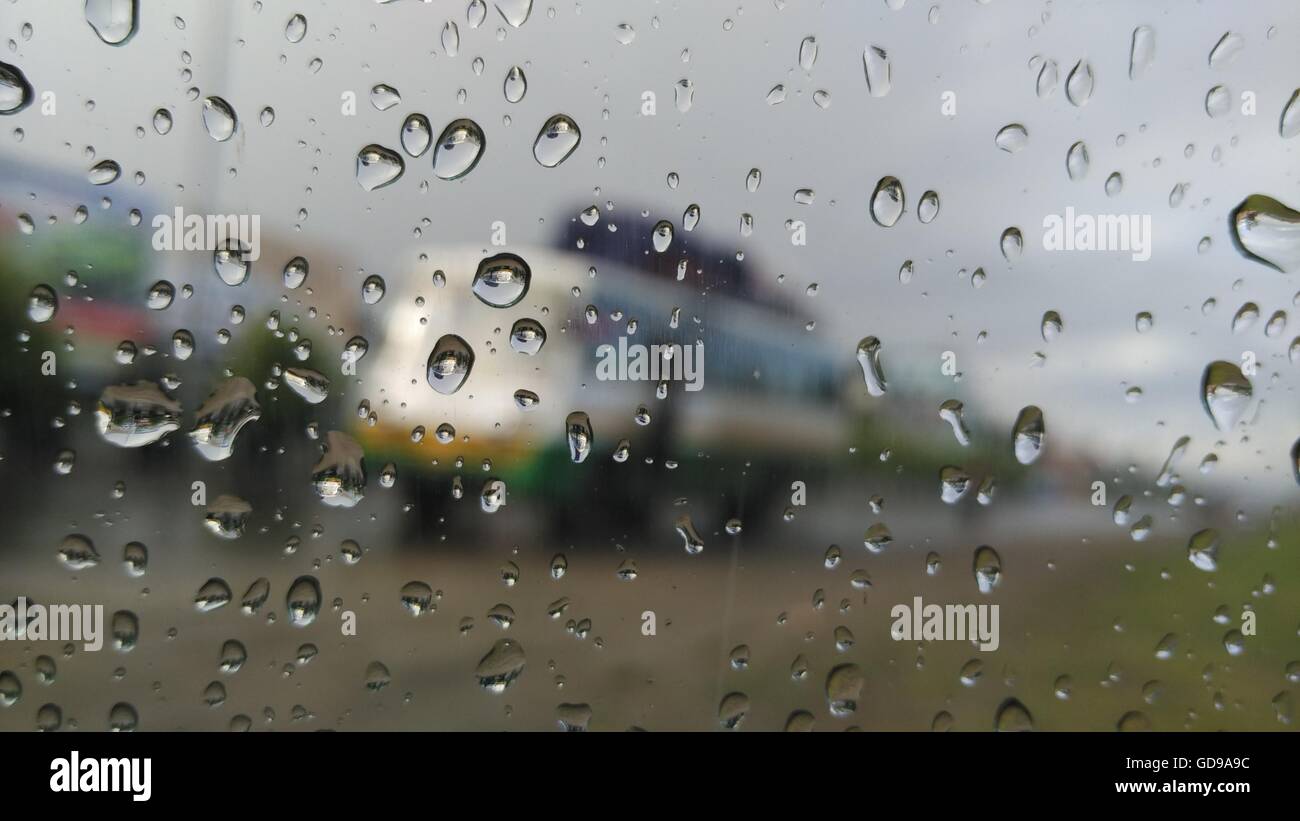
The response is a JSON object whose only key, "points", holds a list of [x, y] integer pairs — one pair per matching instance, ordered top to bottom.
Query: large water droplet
{"points": [[514, 12], [112, 20], [296, 29], [1226, 50], [1142, 52], [875, 62], [516, 85], [1078, 86], [15, 91], [219, 119], [1289, 125], [1011, 138], [556, 141], [458, 149], [378, 166], [887, 202], [1268, 231], [501, 280], [527, 336], [449, 364], [872, 372], [1225, 394], [222, 415], [132, 416], [578, 432], [1027, 435], [339, 478], [1203, 550], [987, 568], [302, 602], [501, 666]]}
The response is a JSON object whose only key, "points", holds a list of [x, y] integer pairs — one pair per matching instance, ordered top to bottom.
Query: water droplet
{"points": [[514, 12], [114, 21], [296, 29], [1226, 50], [1142, 52], [807, 53], [875, 62], [1048, 77], [516, 84], [1078, 86], [15, 91], [384, 97], [1218, 101], [219, 119], [1289, 125], [1011, 138], [558, 139], [458, 149], [1076, 161], [378, 166], [104, 172], [887, 202], [928, 207], [1268, 231], [1012, 244], [295, 273], [501, 280], [42, 304], [527, 336], [449, 364], [872, 372], [1225, 394], [951, 412], [132, 416], [222, 416], [577, 426], [1027, 435], [339, 478], [1203, 550], [77, 552], [987, 568], [213, 595], [302, 602], [501, 666], [843, 689], [1012, 717]]}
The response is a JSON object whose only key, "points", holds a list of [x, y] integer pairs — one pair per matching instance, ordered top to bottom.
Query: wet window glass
{"points": [[513, 365]]}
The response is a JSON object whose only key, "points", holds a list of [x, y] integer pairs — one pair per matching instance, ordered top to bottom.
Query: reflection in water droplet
{"points": [[114, 21], [296, 29], [516, 85], [15, 91], [384, 97], [219, 119], [417, 135], [558, 139], [458, 150], [378, 166], [104, 172], [887, 202], [1266, 230], [662, 235], [1012, 244], [501, 280], [42, 304], [527, 336], [449, 364], [872, 372], [310, 385], [1225, 394], [222, 415], [132, 416], [578, 431], [1027, 435], [339, 478], [226, 516], [1203, 550], [987, 568], [302, 602], [501, 666], [843, 689]]}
